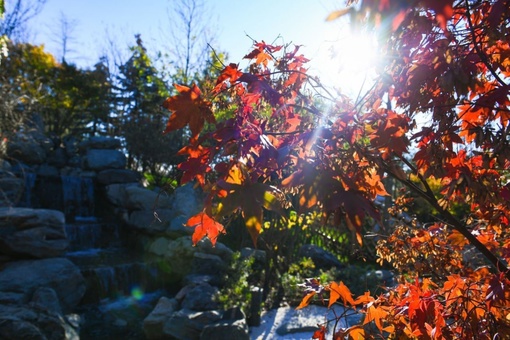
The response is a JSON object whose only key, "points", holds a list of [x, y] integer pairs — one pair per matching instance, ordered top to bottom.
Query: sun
{"points": [[348, 62]]}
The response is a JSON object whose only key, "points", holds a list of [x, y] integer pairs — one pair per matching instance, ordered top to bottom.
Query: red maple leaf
{"points": [[230, 73], [188, 108], [204, 226]]}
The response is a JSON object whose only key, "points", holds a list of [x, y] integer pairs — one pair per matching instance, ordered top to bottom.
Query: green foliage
{"points": [[66, 97], [153, 181], [237, 289]]}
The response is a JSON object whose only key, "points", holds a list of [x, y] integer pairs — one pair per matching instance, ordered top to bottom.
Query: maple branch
{"points": [[481, 54], [216, 55], [269, 133], [422, 179], [429, 196]]}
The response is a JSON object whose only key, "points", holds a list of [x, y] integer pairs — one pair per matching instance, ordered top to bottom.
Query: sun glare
{"points": [[350, 62]]}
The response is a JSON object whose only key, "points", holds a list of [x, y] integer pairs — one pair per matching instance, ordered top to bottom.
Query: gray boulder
{"points": [[100, 142], [30, 148], [101, 159], [46, 170], [111, 176], [11, 189], [116, 193], [135, 197], [140, 198], [187, 201], [156, 222], [29, 232], [205, 246], [179, 254], [322, 259], [208, 264], [25, 277], [200, 297], [46, 298], [24, 322], [154, 323], [186, 324], [232, 325], [226, 329]]}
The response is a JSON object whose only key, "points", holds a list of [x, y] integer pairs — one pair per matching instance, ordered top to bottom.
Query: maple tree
{"points": [[439, 109]]}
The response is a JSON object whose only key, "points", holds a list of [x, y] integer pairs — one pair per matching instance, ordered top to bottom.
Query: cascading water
{"points": [[30, 179], [78, 194], [115, 275], [122, 286]]}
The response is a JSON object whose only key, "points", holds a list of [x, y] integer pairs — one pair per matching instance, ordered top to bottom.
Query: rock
{"points": [[99, 142], [70, 146], [30, 148], [57, 157], [99, 159], [5, 165], [46, 170], [112, 176], [11, 189], [116, 193], [133, 196], [139, 198], [187, 201], [153, 222], [178, 227], [32, 232], [159, 246], [205, 246], [179, 255], [258, 255], [322, 259], [208, 264], [24, 277], [384, 277], [198, 279], [12, 298], [46, 298], [200, 298], [233, 313], [304, 320], [22, 322], [154, 323], [187, 325], [13, 329], [226, 329]]}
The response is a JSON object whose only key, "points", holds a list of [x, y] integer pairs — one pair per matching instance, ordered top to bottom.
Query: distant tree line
{"points": [[121, 98]]}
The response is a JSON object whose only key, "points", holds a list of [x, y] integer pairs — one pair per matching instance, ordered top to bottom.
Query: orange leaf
{"points": [[337, 14], [230, 73], [188, 108], [204, 226], [457, 239], [339, 291], [365, 298], [306, 300], [375, 314], [356, 333], [320, 334]]}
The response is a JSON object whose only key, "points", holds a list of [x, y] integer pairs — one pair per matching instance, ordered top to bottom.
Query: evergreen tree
{"points": [[140, 92]]}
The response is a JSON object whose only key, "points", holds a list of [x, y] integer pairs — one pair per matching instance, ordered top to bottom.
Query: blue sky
{"points": [[298, 21]]}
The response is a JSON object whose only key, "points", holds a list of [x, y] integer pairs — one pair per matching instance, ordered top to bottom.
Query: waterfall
{"points": [[30, 179], [78, 193]]}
